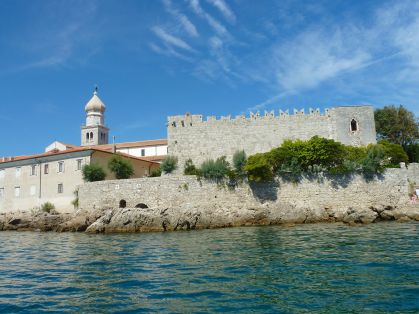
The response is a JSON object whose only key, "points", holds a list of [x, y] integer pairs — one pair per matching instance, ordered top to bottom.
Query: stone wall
{"points": [[189, 136], [186, 192]]}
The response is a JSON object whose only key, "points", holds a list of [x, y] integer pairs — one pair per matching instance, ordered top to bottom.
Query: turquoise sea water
{"points": [[324, 268]]}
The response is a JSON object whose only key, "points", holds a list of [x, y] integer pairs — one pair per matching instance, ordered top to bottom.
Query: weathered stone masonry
{"points": [[189, 136]]}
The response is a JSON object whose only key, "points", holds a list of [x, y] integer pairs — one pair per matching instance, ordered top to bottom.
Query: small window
{"points": [[183, 123], [354, 125], [91, 136], [87, 137], [143, 152], [79, 164], [61, 166], [46, 169], [33, 170], [18, 172], [60, 188], [32, 190], [17, 191], [1, 192], [122, 203]]}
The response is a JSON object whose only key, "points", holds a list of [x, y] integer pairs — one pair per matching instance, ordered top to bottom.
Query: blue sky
{"points": [[156, 58]]}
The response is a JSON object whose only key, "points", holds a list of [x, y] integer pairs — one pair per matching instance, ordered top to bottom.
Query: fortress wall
{"points": [[190, 136], [186, 192]]}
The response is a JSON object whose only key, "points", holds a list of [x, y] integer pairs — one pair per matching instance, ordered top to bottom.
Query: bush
{"points": [[412, 151], [393, 153], [239, 161], [373, 163], [169, 164], [121, 167], [258, 168], [190, 169], [215, 170], [93, 172], [156, 172], [47, 207]]}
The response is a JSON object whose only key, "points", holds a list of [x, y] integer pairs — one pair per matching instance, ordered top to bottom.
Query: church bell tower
{"points": [[94, 132]]}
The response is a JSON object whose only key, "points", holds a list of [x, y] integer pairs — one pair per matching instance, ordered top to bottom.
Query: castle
{"points": [[190, 137], [28, 181]]}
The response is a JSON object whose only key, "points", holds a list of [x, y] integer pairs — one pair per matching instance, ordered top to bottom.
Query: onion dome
{"points": [[95, 104]]}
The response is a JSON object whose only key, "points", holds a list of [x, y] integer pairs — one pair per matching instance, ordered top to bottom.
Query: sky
{"points": [[154, 58]]}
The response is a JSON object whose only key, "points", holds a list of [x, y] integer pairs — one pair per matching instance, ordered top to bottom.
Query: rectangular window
{"points": [[143, 152], [78, 164], [61, 166], [46, 169], [33, 170], [18, 172], [60, 188], [32, 190], [17, 191], [1, 192]]}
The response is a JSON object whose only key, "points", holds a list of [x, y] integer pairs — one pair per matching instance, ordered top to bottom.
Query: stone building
{"points": [[189, 136], [29, 181]]}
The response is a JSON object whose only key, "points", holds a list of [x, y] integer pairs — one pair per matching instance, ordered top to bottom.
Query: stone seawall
{"points": [[183, 202]]}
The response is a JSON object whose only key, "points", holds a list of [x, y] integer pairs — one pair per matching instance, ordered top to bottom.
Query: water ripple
{"points": [[326, 268]]}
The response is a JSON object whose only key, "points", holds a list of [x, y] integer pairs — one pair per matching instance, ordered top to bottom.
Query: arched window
{"points": [[354, 125], [91, 135], [87, 136], [122, 203], [141, 205]]}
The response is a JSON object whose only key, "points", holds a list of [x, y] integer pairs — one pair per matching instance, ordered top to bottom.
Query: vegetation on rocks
{"points": [[169, 164], [122, 168], [190, 169], [215, 169], [93, 172], [155, 172], [47, 207]]}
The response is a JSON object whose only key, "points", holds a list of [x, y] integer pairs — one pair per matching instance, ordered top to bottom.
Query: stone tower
{"points": [[94, 132]]}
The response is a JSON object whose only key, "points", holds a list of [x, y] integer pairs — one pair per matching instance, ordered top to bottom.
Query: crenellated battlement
{"points": [[188, 120], [199, 138]]}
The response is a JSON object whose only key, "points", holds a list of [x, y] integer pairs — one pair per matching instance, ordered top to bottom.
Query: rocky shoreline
{"points": [[173, 219]]}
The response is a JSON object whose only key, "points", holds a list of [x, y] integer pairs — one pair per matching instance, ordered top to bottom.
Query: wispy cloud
{"points": [[224, 9], [181, 18], [216, 25], [170, 39], [169, 51]]}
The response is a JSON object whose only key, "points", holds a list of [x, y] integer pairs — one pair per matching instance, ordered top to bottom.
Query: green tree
{"points": [[397, 125], [412, 151], [393, 154], [373, 163], [169, 164], [121, 167], [259, 168], [215, 169], [93, 172]]}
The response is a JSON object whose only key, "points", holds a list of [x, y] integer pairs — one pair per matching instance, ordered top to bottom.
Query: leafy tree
{"points": [[397, 125], [412, 151], [393, 153], [239, 161], [169, 164], [121, 167], [259, 168], [190, 169], [215, 169], [93, 172]]}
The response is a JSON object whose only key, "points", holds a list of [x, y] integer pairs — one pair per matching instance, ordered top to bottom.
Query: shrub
{"points": [[412, 151], [393, 153], [239, 161], [373, 163], [169, 164], [121, 167], [258, 168], [190, 169], [215, 169], [291, 170], [93, 172], [156, 172], [47, 207]]}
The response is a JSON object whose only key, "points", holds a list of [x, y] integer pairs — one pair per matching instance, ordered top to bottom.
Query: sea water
{"points": [[324, 268]]}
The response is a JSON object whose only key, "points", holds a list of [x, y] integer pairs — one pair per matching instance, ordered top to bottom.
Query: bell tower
{"points": [[94, 132]]}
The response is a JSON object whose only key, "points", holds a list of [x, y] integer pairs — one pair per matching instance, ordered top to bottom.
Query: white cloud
{"points": [[224, 9], [186, 23], [216, 25], [171, 40]]}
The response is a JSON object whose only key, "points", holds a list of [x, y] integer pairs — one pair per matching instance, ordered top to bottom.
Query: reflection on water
{"points": [[328, 268]]}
